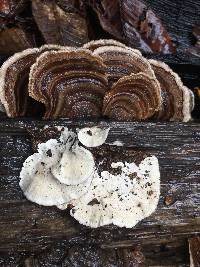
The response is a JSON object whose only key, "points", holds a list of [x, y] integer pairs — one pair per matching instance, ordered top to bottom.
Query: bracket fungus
{"points": [[93, 45], [121, 61], [14, 78], [104, 78], [71, 84], [133, 97], [178, 100], [93, 136], [65, 174], [37, 175], [123, 199]]}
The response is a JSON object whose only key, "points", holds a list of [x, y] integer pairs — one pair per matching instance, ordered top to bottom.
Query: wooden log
{"points": [[28, 229]]}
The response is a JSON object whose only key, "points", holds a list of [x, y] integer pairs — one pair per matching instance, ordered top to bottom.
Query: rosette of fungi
{"points": [[121, 61], [14, 77], [71, 84], [133, 98], [178, 100]]}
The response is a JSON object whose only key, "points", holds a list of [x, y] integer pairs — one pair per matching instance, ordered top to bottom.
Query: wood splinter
{"points": [[194, 250]]}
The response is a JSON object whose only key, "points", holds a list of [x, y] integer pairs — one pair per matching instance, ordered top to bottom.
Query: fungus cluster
{"points": [[104, 78], [60, 171], [64, 173]]}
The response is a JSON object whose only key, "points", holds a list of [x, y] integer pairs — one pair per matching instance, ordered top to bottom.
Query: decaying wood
{"points": [[180, 17], [58, 26], [15, 39], [29, 230], [194, 248]]}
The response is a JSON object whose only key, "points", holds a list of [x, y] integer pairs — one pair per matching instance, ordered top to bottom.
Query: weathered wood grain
{"points": [[179, 17], [28, 229], [194, 248]]}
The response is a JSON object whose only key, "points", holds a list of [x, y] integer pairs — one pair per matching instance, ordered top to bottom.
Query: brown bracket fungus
{"points": [[76, 22], [143, 28], [15, 39], [92, 45], [195, 50], [121, 61], [14, 78], [68, 82], [71, 84], [133, 97], [178, 100], [194, 250]]}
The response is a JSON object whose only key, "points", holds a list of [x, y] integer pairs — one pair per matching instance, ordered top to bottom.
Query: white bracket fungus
{"points": [[93, 136], [75, 166], [63, 173], [37, 178], [123, 199]]}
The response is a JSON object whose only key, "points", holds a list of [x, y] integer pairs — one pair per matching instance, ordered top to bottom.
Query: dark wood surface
{"points": [[27, 229]]}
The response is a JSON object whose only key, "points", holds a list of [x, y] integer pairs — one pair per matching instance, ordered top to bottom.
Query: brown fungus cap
{"points": [[94, 44], [121, 61], [14, 77], [14, 80], [71, 84], [133, 97], [178, 100]]}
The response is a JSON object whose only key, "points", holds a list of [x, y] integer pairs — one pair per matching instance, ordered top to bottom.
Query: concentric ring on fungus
{"points": [[93, 45], [121, 61], [71, 84], [133, 97], [178, 100]]}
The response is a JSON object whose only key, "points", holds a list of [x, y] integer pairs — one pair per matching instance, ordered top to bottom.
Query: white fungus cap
{"points": [[93, 136], [75, 166], [37, 180], [123, 199]]}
